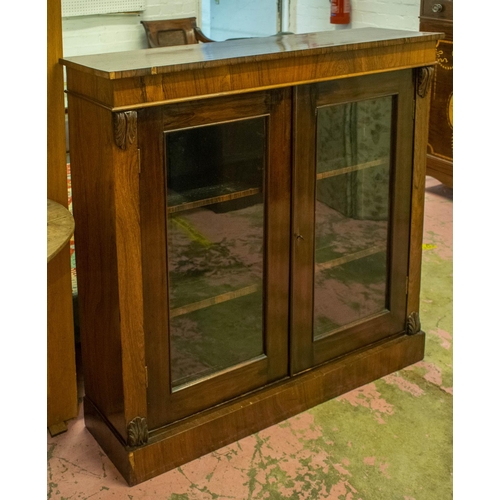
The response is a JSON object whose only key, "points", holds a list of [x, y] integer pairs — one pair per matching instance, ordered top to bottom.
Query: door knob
{"points": [[437, 7]]}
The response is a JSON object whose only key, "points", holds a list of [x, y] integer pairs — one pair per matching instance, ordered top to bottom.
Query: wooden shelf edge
{"points": [[354, 168], [189, 205], [360, 254], [212, 301], [208, 431]]}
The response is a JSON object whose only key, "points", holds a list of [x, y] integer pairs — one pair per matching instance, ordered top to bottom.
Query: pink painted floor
{"points": [[388, 440]]}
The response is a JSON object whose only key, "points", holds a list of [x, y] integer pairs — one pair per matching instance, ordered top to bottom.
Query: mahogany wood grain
{"points": [[138, 63], [154, 76], [422, 109], [440, 142], [93, 180], [127, 220], [302, 233], [154, 261], [180, 443]]}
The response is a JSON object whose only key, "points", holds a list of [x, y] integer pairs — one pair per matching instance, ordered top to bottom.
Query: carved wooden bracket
{"points": [[424, 80], [125, 128], [413, 324], [137, 432]]}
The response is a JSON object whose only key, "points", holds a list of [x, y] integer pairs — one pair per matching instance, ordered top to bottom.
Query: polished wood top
{"points": [[162, 60], [60, 228]]}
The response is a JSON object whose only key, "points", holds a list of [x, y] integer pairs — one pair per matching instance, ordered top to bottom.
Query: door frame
{"points": [[306, 352], [166, 405]]}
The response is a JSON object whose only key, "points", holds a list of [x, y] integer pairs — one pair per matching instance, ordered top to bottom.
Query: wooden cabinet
{"points": [[437, 15], [249, 230]]}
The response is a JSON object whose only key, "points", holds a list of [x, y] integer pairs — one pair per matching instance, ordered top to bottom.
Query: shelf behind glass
{"points": [[208, 195], [352, 231], [215, 288]]}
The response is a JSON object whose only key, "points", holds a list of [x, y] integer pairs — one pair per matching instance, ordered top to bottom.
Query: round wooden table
{"points": [[60, 227]]}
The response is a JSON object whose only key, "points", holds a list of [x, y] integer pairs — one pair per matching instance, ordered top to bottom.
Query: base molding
{"points": [[440, 169], [181, 442]]}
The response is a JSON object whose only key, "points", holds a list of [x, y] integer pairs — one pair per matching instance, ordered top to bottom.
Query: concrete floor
{"points": [[391, 439]]}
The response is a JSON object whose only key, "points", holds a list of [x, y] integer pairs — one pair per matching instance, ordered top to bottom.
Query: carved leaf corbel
{"points": [[424, 80], [125, 128], [413, 324], [137, 432]]}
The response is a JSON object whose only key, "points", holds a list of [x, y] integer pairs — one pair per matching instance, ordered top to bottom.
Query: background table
{"points": [[60, 228], [62, 400]]}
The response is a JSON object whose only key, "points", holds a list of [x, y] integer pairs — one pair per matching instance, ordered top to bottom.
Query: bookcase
{"points": [[248, 232]]}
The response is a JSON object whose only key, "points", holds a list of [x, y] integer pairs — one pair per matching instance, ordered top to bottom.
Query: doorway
{"points": [[226, 19]]}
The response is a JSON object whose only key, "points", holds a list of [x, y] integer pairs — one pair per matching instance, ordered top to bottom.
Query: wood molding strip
{"points": [[354, 168], [215, 199], [218, 299]]}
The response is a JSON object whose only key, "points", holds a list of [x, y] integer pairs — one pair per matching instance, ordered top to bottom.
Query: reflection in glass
{"points": [[352, 212], [215, 246]]}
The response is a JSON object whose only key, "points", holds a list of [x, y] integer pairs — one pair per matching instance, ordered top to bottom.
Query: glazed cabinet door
{"points": [[351, 214], [215, 219]]}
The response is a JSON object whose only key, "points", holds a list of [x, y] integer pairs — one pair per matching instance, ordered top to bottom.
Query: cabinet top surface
{"points": [[168, 59]]}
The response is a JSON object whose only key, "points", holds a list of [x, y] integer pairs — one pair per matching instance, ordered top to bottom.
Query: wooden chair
{"points": [[168, 32]]}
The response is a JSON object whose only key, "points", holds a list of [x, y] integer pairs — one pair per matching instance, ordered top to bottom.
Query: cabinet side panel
{"points": [[95, 249]]}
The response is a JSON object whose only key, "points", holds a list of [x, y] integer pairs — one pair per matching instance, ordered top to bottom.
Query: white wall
{"points": [[397, 14], [314, 15], [238, 19], [119, 32], [115, 33]]}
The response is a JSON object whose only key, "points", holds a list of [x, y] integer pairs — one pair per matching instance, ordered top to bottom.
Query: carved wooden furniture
{"points": [[437, 15], [169, 32], [249, 231], [62, 397]]}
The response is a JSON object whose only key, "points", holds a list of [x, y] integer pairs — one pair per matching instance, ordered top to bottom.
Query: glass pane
{"points": [[352, 212], [215, 246]]}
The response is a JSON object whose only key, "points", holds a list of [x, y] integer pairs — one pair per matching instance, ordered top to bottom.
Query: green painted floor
{"points": [[388, 440]]}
